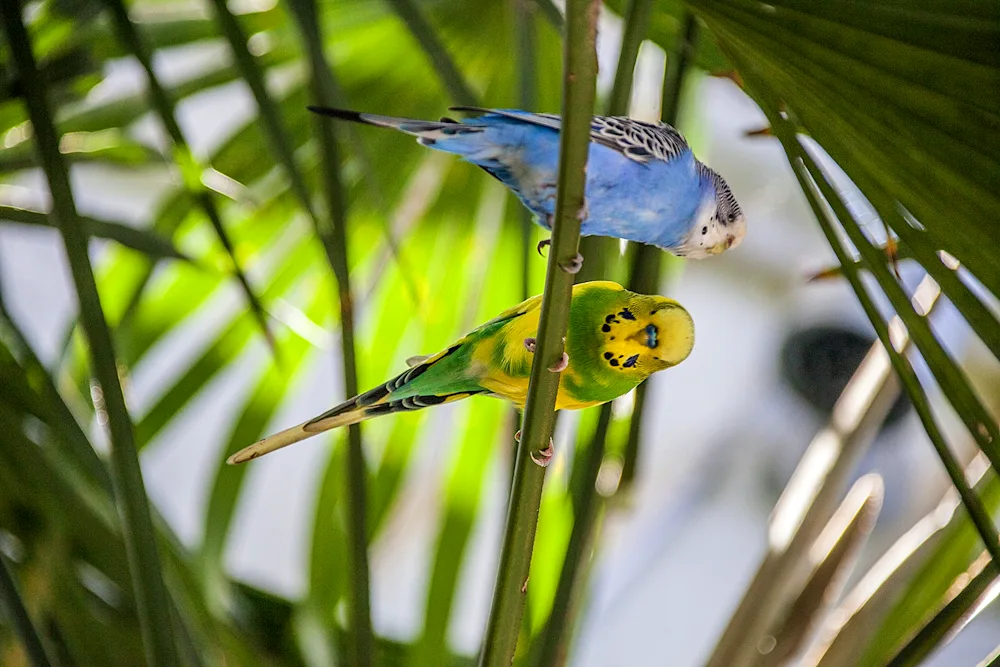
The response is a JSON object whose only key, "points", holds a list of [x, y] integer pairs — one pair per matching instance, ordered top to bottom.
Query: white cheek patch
{"points": [[704, 234]]}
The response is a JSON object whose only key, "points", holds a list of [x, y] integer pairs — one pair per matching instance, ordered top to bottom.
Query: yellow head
{"points": [[646, 335]]}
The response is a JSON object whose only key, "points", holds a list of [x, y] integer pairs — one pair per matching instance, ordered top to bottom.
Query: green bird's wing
{"points": [[449, 375]]}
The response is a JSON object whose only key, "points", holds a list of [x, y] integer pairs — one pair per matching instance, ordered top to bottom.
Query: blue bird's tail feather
{"points": [[445, 135]]}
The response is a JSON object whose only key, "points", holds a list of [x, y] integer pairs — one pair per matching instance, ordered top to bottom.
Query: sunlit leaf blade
{"points": [[253, 74], [191, 171], [332, 231], [226, 347], [269, 393], [461, 503], [834, 555], [896, 592], [964, 600]]}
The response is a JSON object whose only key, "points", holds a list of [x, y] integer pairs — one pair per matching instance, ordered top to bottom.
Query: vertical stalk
{"points": [[524, 26], [451, 76], [579, 78], [191, 170], [333, 234], [644, 276], [587, 505], [586, 510], [152, 601], [11, 602], [952, 617]]}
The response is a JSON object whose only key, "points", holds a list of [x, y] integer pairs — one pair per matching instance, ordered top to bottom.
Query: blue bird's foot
{"points": [[544, 243], [573, 265], [529, 344], [561, 364], [544, 456]]}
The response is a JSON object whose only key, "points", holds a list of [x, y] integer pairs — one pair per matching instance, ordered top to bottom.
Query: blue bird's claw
{"points": [[544, 243], [573, 265], [544, 456]]}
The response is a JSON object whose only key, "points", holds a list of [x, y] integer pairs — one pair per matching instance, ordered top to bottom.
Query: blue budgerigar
{"points": [[643, 182]]}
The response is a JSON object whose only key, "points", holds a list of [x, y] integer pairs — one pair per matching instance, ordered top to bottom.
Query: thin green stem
{"points": [[636, 27], [524, 28], [445, 66], [252, 72], [579, 79], [191, 170], [333, 234], [148, 242], [644, 274], [61, 419], [587, 505], [587, 508], [11, 602], [152, 602], [954, 613]]}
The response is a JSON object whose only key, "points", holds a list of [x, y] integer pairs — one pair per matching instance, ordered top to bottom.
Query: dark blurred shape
{"points": [[819, 361]]}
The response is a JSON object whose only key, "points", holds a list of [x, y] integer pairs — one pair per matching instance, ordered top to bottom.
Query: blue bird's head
{"points": [[719, 222]]}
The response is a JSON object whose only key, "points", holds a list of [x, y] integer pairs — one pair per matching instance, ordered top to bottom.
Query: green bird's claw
{"points": [[543, 244], [574, 265], [529, 344], [561, 364], [517, 436], [544, 456]]}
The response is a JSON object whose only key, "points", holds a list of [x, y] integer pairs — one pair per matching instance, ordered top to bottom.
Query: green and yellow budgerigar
{"points": [[615, 339]]}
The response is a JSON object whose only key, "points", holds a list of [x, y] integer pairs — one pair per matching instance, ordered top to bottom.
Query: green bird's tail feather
{"points": [[382, 400]]}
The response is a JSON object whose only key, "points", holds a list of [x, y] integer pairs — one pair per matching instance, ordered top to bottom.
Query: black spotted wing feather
{"points": [[635, 139]]}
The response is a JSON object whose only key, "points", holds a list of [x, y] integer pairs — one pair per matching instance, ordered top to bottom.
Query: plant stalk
{"points": [[524, 27], [451, 76], [579, 79], [270, 116], [191, 170], [333, 235], [647, 263], [587, 506], [152, 601], [17, 614], [955, 614]]}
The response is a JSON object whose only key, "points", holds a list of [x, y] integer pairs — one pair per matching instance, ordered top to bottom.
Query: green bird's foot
{"points": [[544, 243], [574, 265], [529, 345], [561, 364], [517, 436], [544, 456]]}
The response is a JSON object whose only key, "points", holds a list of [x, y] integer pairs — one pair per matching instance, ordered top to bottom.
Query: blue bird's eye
{"points": [[651, 332]]}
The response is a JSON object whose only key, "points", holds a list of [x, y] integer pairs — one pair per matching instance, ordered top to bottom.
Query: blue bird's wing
{"points": [[637, 140]]}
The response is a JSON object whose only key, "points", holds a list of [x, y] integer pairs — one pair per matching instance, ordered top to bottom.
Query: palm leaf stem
{"points": [[579, 79], [191, 170], [333, 234], [152, 602], [17, 613]]}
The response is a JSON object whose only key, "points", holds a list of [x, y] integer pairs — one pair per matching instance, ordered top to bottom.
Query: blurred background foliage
{"points": [[888, 112]]}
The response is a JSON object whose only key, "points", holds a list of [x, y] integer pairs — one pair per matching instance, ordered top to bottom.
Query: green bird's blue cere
{"points": [[643, 182], [651, 332]]}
